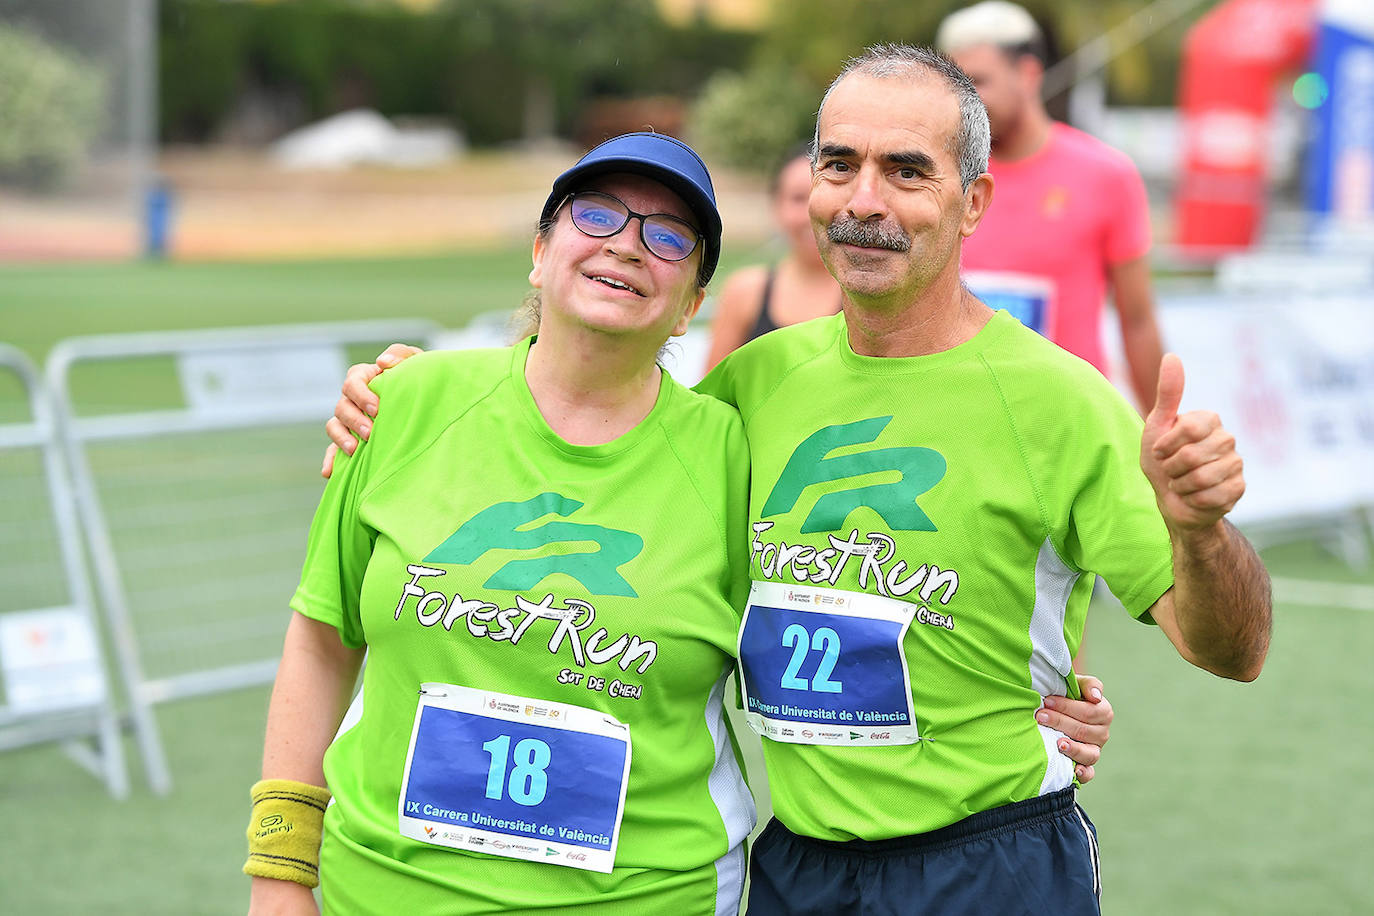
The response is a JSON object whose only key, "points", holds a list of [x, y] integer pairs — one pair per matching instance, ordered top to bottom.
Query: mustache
{"points": [[846, 230]]}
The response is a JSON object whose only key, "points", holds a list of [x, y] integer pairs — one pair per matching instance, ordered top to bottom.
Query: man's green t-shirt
{"points": [[985, 484], [467, 544]]}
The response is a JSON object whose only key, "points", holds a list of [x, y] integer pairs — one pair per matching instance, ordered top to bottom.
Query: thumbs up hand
{"points": [[1190, 459]]}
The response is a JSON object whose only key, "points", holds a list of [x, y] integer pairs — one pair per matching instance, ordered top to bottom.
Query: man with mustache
{"points": [[949, 484], [934, 490]]}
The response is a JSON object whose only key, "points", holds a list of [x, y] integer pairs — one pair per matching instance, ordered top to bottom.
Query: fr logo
{"points": [[920, 469], [503, 527]]}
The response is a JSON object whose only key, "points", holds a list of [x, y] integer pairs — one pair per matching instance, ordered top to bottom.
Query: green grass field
{"points": [[43, 304], [1213, 798]]}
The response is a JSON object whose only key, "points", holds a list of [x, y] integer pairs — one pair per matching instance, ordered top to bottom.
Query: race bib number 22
{"points": [[825, 666]]}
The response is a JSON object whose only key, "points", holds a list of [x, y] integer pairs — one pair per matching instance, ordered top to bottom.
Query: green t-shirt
{"points": [[986, 484], [429, 547]]}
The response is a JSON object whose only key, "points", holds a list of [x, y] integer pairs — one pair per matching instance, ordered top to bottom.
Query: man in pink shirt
{"points": [[1069, 217]]}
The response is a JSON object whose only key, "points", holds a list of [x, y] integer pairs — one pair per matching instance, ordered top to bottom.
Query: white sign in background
{"points": [[1292, 376], [235, 380], [49, 660]]}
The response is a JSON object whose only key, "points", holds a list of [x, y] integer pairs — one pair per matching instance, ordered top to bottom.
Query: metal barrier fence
{"points": [[195, 478], [55, 685]]}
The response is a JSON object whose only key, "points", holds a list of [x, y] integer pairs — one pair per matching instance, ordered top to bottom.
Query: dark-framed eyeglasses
{"points": [[601, 215]]}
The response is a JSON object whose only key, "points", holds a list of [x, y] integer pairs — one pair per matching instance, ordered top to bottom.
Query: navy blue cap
{"points": [[662, 158]]}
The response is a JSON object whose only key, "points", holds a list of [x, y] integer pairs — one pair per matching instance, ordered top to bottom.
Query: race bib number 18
{"points": [[825, 666], [518, 777]]}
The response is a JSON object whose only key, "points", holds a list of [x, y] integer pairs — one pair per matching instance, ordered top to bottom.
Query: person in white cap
{"points": [[1071, 220]]}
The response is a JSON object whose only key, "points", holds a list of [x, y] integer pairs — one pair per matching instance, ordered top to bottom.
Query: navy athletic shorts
{"points": [[1032, 857]]}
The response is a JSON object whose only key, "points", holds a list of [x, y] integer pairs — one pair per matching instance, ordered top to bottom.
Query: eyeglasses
{"points": [[601, 215]]}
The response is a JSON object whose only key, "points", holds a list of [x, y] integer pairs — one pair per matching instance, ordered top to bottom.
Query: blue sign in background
{"points": [[1343, 125], [1030, 309], [868, 666], [450, 769]]}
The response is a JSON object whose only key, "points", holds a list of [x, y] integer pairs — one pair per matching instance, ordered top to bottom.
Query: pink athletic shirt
{"points": [[1059, 219]]}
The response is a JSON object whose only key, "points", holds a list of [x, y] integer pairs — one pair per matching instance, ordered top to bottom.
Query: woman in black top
{"points": [[758, 299]]}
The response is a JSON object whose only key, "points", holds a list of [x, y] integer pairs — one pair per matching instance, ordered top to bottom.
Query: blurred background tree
{"points": [[502, 70], [509, 70], [49, 101], [747, 119]]}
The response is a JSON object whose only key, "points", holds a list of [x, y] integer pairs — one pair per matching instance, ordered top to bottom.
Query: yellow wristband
{"points": [[284, 831]]}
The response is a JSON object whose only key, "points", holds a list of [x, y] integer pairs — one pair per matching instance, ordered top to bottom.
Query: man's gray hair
{"points": [[971, 145]]}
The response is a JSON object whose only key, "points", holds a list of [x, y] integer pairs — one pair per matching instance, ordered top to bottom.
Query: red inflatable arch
{"points": [[1231, 61]]}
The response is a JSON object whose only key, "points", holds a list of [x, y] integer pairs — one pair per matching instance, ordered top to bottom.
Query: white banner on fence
{"points": [[1293, 378], [227, 380], [49, 660]]}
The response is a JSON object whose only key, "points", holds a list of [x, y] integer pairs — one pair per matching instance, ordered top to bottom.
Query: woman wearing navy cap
{"points": [[547, 579]]}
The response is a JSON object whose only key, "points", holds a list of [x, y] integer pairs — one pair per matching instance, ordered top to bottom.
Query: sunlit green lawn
{"points": [[1214, 797]]}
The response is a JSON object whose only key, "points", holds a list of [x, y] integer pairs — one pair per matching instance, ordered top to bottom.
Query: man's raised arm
{"points": [[1219, 613]]}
